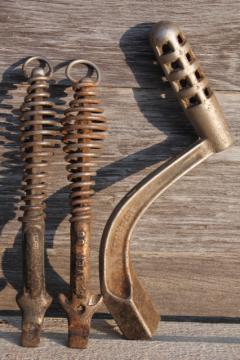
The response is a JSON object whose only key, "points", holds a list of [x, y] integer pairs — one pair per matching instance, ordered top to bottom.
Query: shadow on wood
{"points": [[137, 38]]}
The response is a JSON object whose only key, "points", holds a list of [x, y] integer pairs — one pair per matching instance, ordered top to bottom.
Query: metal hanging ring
{"points": [[41, 60], [84, 62]]}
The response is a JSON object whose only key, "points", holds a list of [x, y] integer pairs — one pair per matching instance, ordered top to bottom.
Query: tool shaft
{"points": [[83, 127], [38, 132], [80, 253]]}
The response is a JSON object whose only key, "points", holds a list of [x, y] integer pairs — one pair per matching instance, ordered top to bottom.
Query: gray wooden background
{"points": [[186, 247]]}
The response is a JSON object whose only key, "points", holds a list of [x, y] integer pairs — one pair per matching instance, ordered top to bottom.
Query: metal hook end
{"points": [[84, 62], [42, 63]]}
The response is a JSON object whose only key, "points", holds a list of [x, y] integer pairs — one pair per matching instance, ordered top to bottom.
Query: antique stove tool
{"points": [[84, 127], [38, 132], [124, 296]]}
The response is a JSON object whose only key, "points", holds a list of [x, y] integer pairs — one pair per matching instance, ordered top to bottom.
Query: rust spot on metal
{"points": [[83, 127], [38, 132], [123, 294]]}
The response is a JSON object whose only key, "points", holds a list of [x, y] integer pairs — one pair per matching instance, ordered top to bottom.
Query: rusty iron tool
{"points": [[84, 126], [38, 131], [123, 294]]}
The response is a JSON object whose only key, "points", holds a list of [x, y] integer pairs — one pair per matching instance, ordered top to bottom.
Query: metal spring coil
{"points": [[83, 128], [38, 132]]}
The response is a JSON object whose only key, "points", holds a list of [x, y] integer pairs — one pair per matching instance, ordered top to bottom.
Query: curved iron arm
{"points": [[123, 294], [126, 299]]}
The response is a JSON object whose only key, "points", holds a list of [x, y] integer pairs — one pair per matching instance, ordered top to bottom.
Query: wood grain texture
{"points": [[115, 35], [187, 244], [186, 340]]}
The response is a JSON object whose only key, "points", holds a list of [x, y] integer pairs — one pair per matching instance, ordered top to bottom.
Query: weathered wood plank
{"points": [[115, 35], [187, 242], [190, 283], [186, 339]]}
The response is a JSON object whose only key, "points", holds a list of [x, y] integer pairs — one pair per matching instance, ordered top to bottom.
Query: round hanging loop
{"points": [[43, 62], [89, 64]]}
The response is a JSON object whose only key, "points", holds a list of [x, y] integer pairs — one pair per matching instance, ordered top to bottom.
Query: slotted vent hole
{"points": [[180, 39], [167, 48], [190, 57], [177, 65], [199, 75], [185, 83], [207, 91], [194, 100]]}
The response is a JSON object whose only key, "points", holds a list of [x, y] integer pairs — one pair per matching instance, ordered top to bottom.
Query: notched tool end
{"points": [[33, 311], [136, 316], [79, 319], [30, 334]]}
